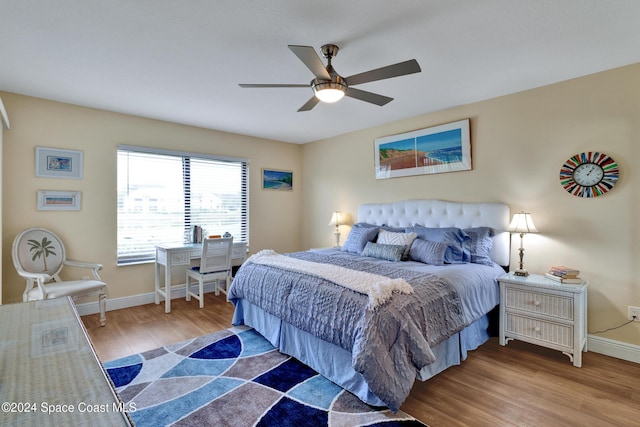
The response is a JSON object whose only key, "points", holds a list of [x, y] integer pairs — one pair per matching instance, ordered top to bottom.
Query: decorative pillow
{"points": [[365, 225], [382, 227], [392, 228], [454, 237], [358, 238], [391, 238], [480, 244], [387, 252], [428, 252]]}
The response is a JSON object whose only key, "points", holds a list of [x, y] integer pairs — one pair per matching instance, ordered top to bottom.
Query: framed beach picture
{"points": [[437, 149], [58, 163], [273, 179], [59, 200]]}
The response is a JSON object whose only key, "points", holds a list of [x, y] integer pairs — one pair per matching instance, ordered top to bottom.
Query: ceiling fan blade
{"points": [[310, 58], [395, 70], [271, 85], [371, 97], [310, 104]]}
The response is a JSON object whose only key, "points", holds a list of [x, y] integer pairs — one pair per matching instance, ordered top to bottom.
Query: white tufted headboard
{"points": [[439, 213]]}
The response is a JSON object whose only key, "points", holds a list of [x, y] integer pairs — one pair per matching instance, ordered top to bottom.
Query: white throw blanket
{"points": [[377, 288]]}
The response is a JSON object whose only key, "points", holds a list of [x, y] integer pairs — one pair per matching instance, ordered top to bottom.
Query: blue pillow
{"points": [[365, 225], [382, 227], [392, 228], [454, 237], [358, 238], [480, 244], [382, 251], [428, 252]]}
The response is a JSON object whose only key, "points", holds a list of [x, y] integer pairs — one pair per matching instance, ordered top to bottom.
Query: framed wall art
{"points": [[437, 149], [58, 163], [273, 179], [59, 200]]}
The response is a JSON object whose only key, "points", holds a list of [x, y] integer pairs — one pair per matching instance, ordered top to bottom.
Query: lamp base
{"points": [[521, 272]]}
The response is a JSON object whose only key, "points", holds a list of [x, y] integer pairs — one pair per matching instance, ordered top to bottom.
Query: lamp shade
{"points": [[329, 91], [329, 95], [336, 218], [522, 223]]}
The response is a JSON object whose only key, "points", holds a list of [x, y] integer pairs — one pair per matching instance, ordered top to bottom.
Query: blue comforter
{"points": [[389, 345]]}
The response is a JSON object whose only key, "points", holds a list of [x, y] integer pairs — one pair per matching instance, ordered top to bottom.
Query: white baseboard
{"points": [[132, 301], [608, 347], [617, 349]]}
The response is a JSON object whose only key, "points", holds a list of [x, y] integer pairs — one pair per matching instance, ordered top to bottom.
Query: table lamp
{"points": [[336, 219], [522, 223]]}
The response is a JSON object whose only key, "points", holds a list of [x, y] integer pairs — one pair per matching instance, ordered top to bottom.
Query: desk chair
{"points": [[39, 255], [215, 265]]}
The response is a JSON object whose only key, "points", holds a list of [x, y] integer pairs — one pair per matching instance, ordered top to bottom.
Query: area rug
{"points": [[236, 378]]}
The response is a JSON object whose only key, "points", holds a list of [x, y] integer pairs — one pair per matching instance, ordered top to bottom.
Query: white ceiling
{"points": [[182, 60]]}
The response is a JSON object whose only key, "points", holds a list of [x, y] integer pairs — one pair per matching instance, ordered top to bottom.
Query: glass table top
{"points": [[49, 373]]}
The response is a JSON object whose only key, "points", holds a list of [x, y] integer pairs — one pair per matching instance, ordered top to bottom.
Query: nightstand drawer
{"points": [[535, 302], [544, 312], [539, 330]]}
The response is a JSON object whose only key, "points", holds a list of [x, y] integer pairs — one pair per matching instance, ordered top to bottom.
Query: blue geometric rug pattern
{"points": [[235, 377]]}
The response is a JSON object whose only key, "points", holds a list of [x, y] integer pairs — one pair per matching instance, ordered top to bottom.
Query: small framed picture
{"points": [[58, 163], [273, 179], [59, 200]]}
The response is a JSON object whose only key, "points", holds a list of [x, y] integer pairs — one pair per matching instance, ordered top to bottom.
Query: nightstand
{"points": [[544, 312]]}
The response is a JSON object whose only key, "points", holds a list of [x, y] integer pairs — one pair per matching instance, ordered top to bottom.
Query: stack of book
{"points": [[564, 274]]}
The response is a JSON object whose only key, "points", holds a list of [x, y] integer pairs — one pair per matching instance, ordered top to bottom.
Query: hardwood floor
{"points": [[137, 329], [515, 385]]}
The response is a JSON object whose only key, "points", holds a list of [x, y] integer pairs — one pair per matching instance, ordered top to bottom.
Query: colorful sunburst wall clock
{"points": [[589, 174]]}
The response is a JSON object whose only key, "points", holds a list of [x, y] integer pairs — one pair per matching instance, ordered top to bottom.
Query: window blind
{"points": [[163, 194]]}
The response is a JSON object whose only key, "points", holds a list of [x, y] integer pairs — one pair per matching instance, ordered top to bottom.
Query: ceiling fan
{"points": [[329, 86]]}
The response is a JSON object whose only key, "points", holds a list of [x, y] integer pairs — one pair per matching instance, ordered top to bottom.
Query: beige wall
{"points": [[519, 143], [91, 233]]}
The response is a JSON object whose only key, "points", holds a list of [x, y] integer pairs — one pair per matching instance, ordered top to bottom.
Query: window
{"points": [[163, 194]]}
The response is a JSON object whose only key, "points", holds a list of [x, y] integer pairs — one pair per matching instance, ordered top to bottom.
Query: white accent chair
{"points": [[39, 256], [215, 265]]}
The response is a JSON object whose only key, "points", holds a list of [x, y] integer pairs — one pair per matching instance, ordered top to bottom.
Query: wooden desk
{"points": [[170, 256], [49, 373]]}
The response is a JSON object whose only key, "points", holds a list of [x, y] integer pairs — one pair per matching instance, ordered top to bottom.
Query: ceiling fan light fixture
{"points": [[329, 86], [329, 91], [329, 95]]}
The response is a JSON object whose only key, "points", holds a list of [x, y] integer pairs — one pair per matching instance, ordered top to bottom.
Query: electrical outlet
{"points": [[634, 313]]}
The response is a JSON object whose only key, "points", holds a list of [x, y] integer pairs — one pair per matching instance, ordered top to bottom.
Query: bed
{"points": [[426, 305]]}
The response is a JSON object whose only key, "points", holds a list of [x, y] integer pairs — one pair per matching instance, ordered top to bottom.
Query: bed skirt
{"points": [[334, 362]]}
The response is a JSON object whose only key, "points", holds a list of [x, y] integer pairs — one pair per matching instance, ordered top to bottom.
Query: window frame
{"points": [[186, 156]]}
